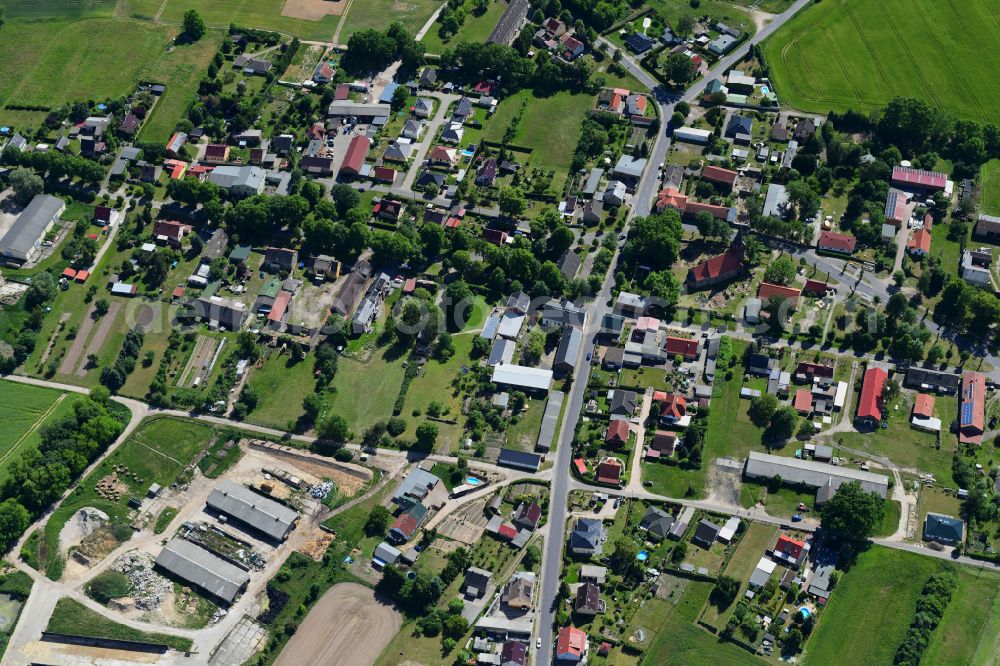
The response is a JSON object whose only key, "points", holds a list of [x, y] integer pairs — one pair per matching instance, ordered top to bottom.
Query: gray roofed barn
{"points": [[630, 167], [239, 180], [23, 241], [221, 312], [568, 351], [502, 352], [928, 379], [519, 460], [811, 473], [262, 514], [203, 569]]}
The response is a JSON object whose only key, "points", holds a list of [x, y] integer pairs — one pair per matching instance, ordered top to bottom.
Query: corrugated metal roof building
{"points": [[263, 514], [203, 569]]}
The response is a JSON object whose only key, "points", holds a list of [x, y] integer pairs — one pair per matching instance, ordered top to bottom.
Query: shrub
{"points": [[109, 585]]}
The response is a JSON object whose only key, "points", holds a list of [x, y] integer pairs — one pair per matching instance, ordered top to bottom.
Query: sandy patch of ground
{"points": [[312, 10], [100, 336], [72, 356], [84, 522], [467, 524], [316, 545], [331, 631]]}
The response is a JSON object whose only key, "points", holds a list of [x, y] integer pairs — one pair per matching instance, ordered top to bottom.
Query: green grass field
{"points": [[33, 9], [378, 14], [475, 28], [860, 53], [97, 59], [552, 142], [989, 184], [282, 386], [365, 392], [23, 410], [871, 608], [72, 617], [969, 633]]}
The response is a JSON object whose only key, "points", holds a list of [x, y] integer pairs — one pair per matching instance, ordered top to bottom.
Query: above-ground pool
{"points": [[472, 481], [642, 556], [805, 613]]}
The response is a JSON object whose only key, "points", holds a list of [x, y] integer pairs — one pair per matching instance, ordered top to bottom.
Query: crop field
{"points": [[59, 8], [306, 19], [861, 53], [70, 62], [989, 184], [23, 409]]}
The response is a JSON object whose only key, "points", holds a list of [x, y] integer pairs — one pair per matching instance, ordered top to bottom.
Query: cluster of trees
{"points": [[370, 51], [475, 61], [597, 131], [55, 165], [26, 183], [257, 217], [968, 309], [898, 329], [23, 339], [114, 376], [158, 393], [777, 421], [41, 475], [979, 506], [852, 515], [416, 596], [933, 601]]}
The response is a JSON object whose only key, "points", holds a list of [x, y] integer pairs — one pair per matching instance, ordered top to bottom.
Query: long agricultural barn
{"points": [[23, 241], [812, 473], [262, 514], [203, 569]]}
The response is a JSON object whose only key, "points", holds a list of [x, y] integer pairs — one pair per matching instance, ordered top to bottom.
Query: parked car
{"points": [[796, 518]]}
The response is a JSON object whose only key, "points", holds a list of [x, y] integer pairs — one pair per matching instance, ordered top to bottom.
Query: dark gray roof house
{"points": [[739, 126], [569, 264], [927, 379], [623, 403], [519, 460], [256, 511], [657, 523], [943, 529], [705, 533], [586, 537], [203, 569], [476, 582], [588, 599]]}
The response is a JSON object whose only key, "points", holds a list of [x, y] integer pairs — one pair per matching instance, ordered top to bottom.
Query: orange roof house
{"points": [[719, 175], [920, 244], [718, 269], [768, 290], [683, 346], [804, 402], [870, 404], [924, 405], [673, 407], [971, 413], [617, 433], [610, 472], [571, 644]]}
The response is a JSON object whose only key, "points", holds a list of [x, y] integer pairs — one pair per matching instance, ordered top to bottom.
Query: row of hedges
{"points": [[931, 605]]}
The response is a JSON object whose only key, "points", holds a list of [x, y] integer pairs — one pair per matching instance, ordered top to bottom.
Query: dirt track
{"points": [[331, 631]]}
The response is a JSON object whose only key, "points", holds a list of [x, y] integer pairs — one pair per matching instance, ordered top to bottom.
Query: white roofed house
{"points": [[241, 181], [23, 241], [536, 380]]}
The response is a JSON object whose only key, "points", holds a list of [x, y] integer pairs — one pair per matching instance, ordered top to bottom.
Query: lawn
{"points": [[32, 9], [378, 14], [475, 29], [859, 54], [99, 59], [552, 143], [989, 188], [282, 386], [365, 392], [523, 435], [907, 446], [157, 452], [674, 481], [934, 500], [780, 504], [890, 519], [740, 566], [872, 607], [73, 618], [969, 632]]}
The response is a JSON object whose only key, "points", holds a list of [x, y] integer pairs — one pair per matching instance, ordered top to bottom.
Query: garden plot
{"points": [[467, 524]]}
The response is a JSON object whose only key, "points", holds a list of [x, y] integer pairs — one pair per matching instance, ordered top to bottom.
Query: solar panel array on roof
{"points": [[967, 413]]}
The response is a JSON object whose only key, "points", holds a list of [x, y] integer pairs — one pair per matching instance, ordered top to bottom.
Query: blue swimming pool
{"points": [[765, 89], [472, 481], [642, 556], [805, 613]]}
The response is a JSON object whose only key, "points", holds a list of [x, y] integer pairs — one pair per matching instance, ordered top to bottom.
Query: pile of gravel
{"points": [[149, 588]]}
